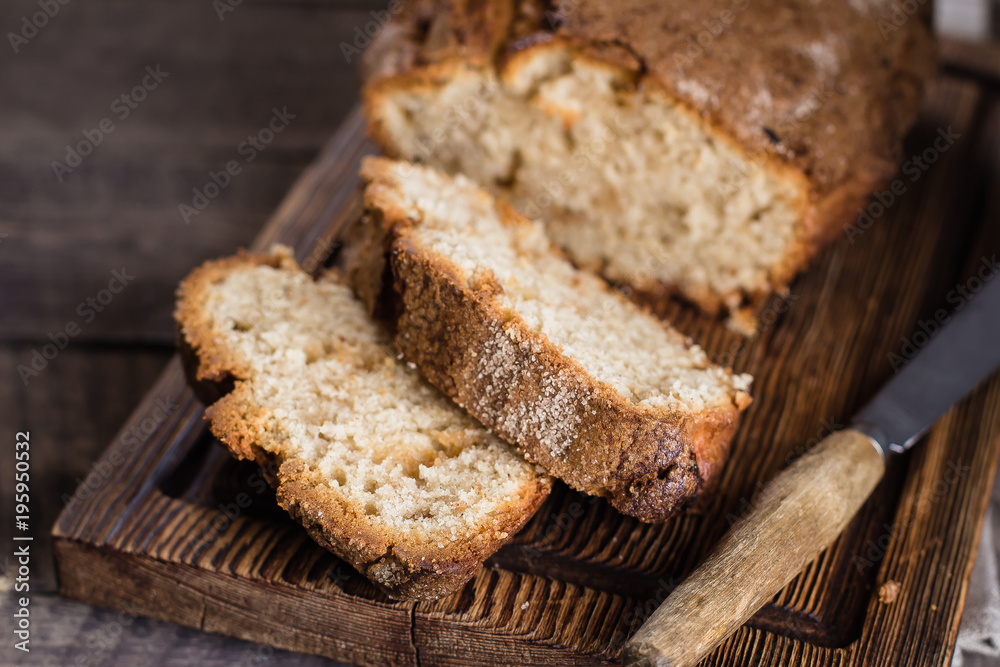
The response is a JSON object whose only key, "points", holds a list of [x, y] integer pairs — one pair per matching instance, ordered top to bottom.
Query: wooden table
{"points": [[219, 78], [61, 240]]}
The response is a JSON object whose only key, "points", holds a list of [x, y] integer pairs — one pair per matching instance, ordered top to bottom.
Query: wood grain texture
{"points": [[978, 59], [120, 206], [72, 412], [796, 516], [170, 524], [67, 633]]}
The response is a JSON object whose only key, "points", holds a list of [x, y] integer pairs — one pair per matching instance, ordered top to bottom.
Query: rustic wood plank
{"points": [[977, 59], [119, 207], [71, 418], [580, 578], [321, 625], [70, 633]]}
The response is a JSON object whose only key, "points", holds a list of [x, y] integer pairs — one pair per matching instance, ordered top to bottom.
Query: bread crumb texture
{"points": [[715, 174], [635, 187], [588, 384], [378, 465], [889, 592]]}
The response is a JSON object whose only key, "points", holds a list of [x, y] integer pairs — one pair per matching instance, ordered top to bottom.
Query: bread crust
{"points": [[825, 106], [649, 463], [401, 567]]}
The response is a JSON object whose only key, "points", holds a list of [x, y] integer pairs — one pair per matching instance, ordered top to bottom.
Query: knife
{"points": [[809, 503]]}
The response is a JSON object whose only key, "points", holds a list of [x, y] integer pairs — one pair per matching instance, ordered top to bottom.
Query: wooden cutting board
{"points": [[168, 525]]}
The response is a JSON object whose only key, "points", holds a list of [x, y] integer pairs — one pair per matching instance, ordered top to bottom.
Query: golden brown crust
{"points": [[841, 86], [821, 91], [649, 463], [401, 567]]}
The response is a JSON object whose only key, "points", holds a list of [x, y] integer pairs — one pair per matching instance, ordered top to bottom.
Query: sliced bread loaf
{"points": [[673, 145], [596, 390], [377, 465]]}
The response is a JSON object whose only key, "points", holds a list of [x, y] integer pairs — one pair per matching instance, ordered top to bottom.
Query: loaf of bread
{"points": [[701, 148], [587, 384], [377, 465]]}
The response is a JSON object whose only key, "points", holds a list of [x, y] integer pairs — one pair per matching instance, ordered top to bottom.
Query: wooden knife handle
{"points": [[794, 518]]}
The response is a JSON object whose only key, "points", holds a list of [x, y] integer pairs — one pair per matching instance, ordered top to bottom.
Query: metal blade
{"points": [[945, 368]]}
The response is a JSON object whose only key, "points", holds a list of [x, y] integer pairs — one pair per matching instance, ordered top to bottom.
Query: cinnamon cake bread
{"points": [[701, 148], [586, 383], [377, 465]]}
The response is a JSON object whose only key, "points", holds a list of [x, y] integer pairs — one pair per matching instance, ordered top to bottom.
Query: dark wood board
{"points": [[163, 525]]}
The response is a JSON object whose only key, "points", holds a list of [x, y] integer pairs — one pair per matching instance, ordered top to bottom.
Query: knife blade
{"points": [[961, 354], [807, 505]]}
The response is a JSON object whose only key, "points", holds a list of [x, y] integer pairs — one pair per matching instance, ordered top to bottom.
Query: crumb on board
{"points": [[743, 322], [889, 591], [525, 606]]}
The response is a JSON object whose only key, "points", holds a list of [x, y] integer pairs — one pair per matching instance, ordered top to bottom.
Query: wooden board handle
{"points": [[795, 517]]}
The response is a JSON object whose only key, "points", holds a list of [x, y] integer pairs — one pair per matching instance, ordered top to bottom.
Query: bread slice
{"points": [[674, 146], [596, 390], [377, 465]]}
